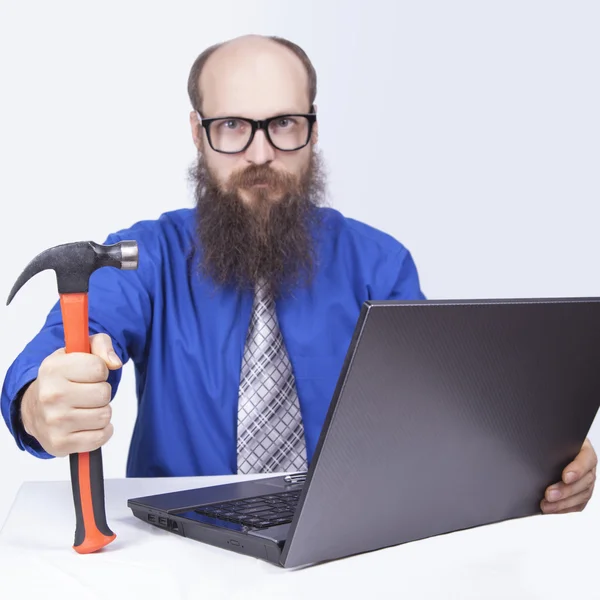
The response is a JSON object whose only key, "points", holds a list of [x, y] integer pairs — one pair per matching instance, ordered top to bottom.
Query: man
{"points": [[240, 314]]}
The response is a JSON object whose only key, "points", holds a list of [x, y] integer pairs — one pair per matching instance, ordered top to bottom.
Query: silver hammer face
{"points": [[74, 264]]}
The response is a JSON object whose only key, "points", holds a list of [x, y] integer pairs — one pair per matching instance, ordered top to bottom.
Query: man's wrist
{"points": [[24, 400], [24, 439]]}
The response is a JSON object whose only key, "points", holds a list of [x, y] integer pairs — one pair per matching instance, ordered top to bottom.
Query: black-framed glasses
{"points": [[231, 135]]}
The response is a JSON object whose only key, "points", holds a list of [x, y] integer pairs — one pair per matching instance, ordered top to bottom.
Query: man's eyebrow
{"points": [[291, 111]]}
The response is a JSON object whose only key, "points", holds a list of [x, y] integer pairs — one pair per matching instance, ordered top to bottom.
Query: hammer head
{"points": [[74, 263]]}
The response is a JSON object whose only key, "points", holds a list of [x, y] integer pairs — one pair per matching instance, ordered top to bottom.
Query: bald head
{"points": [[254, 58], [254, 77]]}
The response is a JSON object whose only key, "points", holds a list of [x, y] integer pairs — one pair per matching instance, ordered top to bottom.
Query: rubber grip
{"points": [[87, 475]]}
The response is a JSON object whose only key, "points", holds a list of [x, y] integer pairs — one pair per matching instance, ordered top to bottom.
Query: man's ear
{"points": [[196, 130], [314, 138]]}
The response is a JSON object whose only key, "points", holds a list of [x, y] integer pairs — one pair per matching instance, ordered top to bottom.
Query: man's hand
{"points": [[67, 408], [575, 490]]}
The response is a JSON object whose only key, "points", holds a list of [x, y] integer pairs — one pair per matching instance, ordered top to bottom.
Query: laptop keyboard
{"points": [[258, 512]]}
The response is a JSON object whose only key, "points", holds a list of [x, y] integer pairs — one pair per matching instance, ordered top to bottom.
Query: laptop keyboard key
{"points": [[258, 509], [287, 515], [263, 524]]}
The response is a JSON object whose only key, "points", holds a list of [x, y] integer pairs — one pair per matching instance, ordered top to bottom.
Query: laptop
{"points": [[447, 415]]}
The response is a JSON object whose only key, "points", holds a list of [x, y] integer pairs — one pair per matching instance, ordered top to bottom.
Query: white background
{"points": [[468, 130]]}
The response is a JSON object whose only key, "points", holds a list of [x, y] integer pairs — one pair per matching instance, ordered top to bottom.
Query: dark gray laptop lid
{"points": [[448, 415]]}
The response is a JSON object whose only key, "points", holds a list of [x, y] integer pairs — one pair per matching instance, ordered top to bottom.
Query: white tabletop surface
{"points": [[538, 557]]}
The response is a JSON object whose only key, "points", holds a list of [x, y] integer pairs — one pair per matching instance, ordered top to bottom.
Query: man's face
{"points": [[267, 84]]}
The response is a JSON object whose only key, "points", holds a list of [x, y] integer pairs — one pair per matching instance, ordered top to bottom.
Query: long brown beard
{"points": [[268, 240]]}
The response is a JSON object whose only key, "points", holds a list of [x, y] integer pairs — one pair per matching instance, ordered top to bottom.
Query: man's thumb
{"points": [[101, 345]]}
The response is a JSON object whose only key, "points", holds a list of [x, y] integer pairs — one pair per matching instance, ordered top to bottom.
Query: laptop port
{"points": [[152, 518], [162, 521], [173, 525]]}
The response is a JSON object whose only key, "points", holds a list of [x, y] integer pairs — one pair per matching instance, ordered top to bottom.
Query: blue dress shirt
{"points": [[185, 337]]}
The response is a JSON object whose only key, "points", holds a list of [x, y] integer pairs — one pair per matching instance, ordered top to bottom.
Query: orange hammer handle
{"points": [[87, 478]]}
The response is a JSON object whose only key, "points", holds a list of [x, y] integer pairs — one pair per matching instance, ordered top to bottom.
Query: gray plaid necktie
{"points": [[270, 430]]}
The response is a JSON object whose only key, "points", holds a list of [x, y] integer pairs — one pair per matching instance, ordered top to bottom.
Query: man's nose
{"points": [[260, 150]]}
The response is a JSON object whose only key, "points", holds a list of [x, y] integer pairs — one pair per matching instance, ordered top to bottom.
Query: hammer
{"points": [[74, 263]]}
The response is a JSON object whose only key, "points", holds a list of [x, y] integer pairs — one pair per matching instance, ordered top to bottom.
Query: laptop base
{"points": [[176, 512]]}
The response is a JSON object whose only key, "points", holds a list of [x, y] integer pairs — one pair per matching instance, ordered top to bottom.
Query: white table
{"points": [[539, 557]]}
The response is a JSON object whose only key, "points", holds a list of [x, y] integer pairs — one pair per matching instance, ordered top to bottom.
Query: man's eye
{"points": [[283, 123], [231, 124]]}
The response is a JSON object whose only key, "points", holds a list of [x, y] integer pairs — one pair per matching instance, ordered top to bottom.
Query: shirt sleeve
{"points": [[405, 283], [119, 305]]}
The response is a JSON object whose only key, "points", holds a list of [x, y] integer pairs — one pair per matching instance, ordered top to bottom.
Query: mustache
{"points": [[264, 175]]}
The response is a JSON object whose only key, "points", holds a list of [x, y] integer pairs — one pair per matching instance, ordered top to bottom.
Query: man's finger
{"points": [[101, 345], [585, 461], [561, 491], [572, 501], [573, 509]]}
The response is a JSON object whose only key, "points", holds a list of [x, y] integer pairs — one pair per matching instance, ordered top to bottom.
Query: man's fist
{"points": [[67, 408]]}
